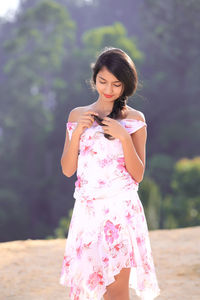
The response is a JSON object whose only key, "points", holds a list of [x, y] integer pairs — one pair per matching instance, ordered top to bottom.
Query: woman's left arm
{"points": [[134, 148]]}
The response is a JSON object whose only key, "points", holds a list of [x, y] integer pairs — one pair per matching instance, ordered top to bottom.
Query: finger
{"points": [[91, 112], [89, 117], [107, 119], [104, 121], [86, 123], [106, 129]]}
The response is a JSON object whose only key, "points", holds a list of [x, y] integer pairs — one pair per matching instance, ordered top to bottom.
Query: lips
{"points": [[107, 96]]}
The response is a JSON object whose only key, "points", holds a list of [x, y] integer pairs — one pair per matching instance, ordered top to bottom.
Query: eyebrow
{"points": [[105, 79]]}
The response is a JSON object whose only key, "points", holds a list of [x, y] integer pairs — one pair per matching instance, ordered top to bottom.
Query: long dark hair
{"points": [[123, 68]]}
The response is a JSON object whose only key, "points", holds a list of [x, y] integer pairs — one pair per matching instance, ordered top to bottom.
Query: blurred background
{"points": [[46, 48]]}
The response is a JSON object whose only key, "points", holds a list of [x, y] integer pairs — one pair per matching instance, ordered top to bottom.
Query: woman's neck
{"points": [[103, 109]]}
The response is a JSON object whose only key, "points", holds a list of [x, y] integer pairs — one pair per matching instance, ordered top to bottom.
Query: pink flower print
{"points": [[71, 125], [128, 125], [85, 149], [121, 160], [104, 162], [121, 164], [78, 182], [101, 183], [89, 202], [128, 202], [90, 207], [135, 208], [106, 210], [129, 217], [111, 231], [139, 241], [87, 245], [141, 245], [117, 247], [115, 250], [79, 251], [132, 258], [66, 261], [105, 261], [147, 267], [95, 279], [75, 290], [77, 293]]}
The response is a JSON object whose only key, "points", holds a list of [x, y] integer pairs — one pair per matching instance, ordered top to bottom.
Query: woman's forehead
{"points": [[104, 73]]}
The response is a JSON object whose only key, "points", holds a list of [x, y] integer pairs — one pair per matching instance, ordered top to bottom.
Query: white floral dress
{"points": [[108, 229]]}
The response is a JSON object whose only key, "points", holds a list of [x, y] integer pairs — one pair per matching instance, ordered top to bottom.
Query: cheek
{"points": [[99, 87], [120, 91]]}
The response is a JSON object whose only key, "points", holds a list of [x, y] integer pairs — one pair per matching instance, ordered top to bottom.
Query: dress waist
{"points": [[114, 188]]}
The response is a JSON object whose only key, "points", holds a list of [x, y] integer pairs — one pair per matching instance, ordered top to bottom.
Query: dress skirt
{"points": [[105, 235]]}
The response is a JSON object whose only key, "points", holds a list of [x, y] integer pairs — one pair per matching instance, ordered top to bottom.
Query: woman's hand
{"points": [[85, 121], [114, 128]]}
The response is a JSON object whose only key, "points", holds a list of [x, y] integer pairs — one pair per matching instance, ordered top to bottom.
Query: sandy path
{"points": [[31, 269]]}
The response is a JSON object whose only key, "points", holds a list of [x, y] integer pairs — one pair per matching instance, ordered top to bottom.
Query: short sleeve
{"points": [[132, 125], [70, 128]]}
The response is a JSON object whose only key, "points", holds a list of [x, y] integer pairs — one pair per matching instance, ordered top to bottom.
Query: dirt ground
{"points": [[30, 269]]}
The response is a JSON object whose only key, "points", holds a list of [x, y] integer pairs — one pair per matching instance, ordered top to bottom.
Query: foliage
{"points": [[114, 36], [171, 38], [33, 55], [160, 169], [186, 189], [151, 200], [62, 230]]}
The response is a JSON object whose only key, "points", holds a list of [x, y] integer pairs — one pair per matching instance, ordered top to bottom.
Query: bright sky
{"points": [[5, 6]]}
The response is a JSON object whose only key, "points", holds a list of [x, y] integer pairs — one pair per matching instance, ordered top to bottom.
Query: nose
{"points": [[108, 89]]}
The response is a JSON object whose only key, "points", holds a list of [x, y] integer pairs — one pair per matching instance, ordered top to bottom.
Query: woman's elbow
{"points": [[66, 172], [139, 179]]}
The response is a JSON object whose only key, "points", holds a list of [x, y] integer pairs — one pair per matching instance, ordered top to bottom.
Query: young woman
{"points": [[108, 248]]}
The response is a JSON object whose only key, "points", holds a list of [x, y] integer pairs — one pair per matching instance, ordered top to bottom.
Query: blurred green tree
{"points": [[115, 36], [34, 51], [171, 69], [186, 192], [151, 199], [63, 227]]}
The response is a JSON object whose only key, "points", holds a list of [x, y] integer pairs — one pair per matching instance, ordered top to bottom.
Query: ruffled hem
{"points": [[143, 295]]}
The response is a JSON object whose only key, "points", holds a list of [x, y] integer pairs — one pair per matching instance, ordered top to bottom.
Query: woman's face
{"points": [[107, 85]]}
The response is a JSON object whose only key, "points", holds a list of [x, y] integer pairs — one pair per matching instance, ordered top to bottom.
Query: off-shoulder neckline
{"points": [[120, 120]]}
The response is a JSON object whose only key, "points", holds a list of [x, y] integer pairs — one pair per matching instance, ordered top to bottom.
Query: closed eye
{"points": [[114, 84]]}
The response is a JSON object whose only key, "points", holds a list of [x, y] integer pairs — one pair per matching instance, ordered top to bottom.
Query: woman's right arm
{"points": [[71, 147], [69, 157]]}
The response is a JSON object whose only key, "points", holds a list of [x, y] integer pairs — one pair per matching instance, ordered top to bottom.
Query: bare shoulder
{"points": [[75, 113], [135, 114]]}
